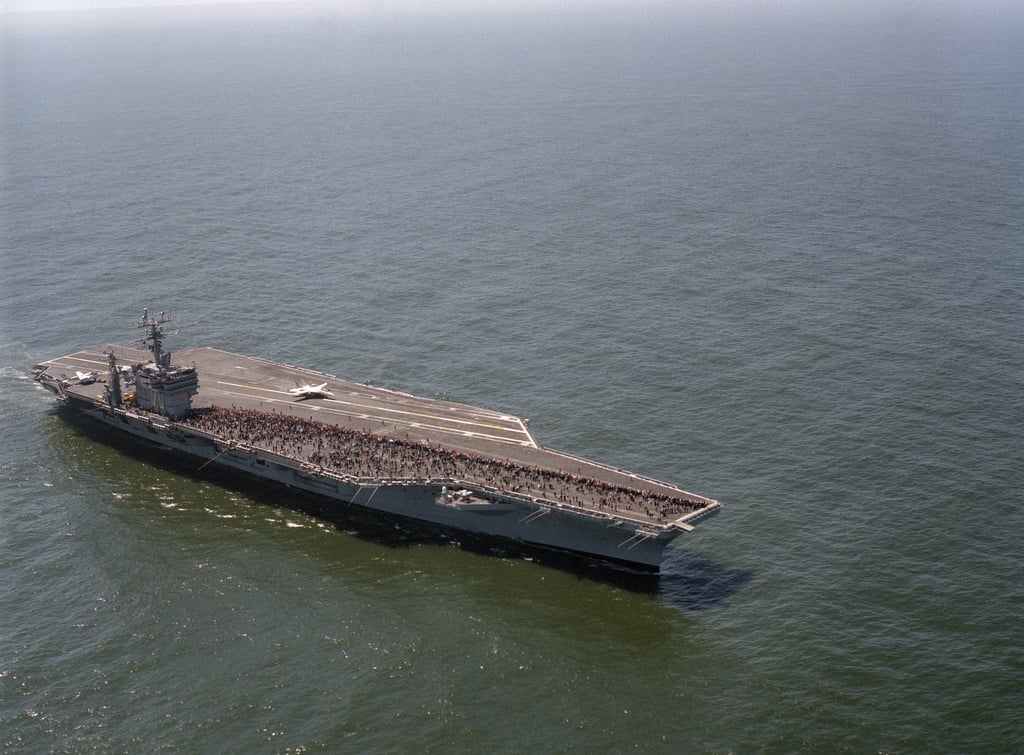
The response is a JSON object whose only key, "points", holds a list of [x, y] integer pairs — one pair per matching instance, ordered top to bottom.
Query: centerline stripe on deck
{"points": [[383, 409], [437, 428]]}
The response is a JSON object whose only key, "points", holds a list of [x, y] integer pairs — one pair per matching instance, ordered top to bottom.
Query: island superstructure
{"points": [[446, 464]]}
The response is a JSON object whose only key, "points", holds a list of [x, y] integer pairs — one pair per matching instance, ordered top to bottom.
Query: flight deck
{"points": [[228, 380]]}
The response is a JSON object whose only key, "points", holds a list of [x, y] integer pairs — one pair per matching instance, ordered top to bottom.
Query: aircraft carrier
{"points": [[445, 464]]}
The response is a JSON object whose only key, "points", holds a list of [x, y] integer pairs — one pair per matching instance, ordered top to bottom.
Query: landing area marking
{"points": [[378, 408]]}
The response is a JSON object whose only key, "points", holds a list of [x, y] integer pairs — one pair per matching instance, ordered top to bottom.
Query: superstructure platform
{"points": [[442, 462]]}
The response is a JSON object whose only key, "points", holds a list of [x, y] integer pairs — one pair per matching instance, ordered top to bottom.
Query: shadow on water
{"points": [[687, 581], [697, 583]]}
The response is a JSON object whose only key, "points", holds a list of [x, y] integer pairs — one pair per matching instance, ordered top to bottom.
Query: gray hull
{"points": [[487, 512]]}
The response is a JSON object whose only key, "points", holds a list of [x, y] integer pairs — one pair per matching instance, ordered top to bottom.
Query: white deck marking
{"points": [[71, 358], [378, 408], [397, 421], [468, 422]]}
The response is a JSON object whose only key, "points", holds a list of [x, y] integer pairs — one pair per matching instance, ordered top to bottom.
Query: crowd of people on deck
{"points": [[365, 455]]}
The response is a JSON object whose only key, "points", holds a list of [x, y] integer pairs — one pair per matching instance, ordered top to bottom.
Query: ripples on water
{"points": [[782, 273]]}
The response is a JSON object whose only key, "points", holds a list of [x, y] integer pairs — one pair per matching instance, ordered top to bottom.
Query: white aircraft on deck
{"points": [[85, 378], [311, 391]]}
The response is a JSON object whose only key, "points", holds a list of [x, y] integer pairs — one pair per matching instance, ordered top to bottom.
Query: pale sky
{"points": [[427, 5], [22, 6], [356, 8], [71, 10], [65, 11]]}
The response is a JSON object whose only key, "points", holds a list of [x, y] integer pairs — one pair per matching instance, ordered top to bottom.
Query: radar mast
{"points": [[154, 337]]}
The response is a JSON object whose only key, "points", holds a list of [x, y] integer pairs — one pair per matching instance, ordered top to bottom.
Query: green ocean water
{"points": [[773, 256]]}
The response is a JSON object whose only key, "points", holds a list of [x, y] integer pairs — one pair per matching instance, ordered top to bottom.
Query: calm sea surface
{"points": [[777, 259]]}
